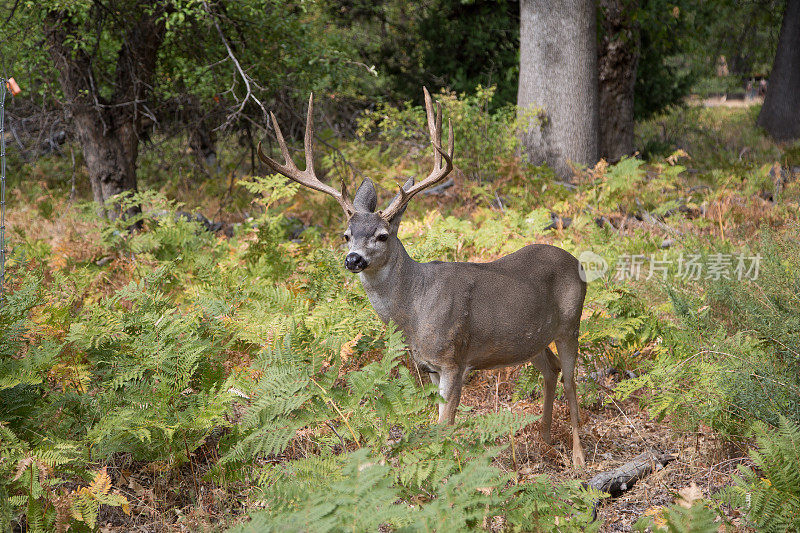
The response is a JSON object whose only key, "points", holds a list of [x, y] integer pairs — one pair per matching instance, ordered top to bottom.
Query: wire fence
{"points": [[2, 186]]}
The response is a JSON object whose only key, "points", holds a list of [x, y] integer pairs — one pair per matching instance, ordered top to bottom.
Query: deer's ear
{"points": [[366, 200], [394, 224]]}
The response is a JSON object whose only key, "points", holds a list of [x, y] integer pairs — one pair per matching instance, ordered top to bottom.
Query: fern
{"points": [[363, 484], [358, 491], [771, 495], [697, 518]]}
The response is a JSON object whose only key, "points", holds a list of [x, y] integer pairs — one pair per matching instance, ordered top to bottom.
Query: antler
{"points": [[439, 172], [306, 177]]}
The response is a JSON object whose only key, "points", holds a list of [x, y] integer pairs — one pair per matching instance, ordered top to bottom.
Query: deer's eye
{"points": [[346, 237], [382, 237]]}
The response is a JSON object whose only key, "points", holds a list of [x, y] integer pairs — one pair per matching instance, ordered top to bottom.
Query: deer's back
{"points": [[544, 265], [553, 279], [505, 311]]}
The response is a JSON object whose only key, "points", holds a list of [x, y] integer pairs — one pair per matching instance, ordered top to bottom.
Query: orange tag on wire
{"points": [[12, 86]]}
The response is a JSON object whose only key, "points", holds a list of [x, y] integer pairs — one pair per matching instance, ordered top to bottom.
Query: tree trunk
{"points": [[617, 62], [558, 80], [780, 114], [107, 127]]}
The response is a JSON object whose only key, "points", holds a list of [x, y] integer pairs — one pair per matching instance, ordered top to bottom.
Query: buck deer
{"points": [[459, 317]]}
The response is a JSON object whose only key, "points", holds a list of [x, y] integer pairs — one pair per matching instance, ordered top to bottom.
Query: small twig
{"points": [[497, 391], [333, 404], [630, 423], [330, 426], [191, 466]]}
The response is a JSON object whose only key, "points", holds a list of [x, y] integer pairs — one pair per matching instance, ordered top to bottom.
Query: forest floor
{"points": [[612, 433]]}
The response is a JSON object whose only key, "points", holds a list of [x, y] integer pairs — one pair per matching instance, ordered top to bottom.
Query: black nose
{"points": [[354, 262]]}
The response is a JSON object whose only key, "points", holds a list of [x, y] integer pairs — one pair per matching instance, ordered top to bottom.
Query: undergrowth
{"points": [[252, 369]]}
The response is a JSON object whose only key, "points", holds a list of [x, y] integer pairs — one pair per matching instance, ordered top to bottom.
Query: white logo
{"points": [[594, 266]]}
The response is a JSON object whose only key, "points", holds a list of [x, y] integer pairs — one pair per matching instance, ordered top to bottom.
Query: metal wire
{"points": [[2, 186]]}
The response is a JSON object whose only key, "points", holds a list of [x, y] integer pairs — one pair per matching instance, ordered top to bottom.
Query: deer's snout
{"points": [[355, 262]]}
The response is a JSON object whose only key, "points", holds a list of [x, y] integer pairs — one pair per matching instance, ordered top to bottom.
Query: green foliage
{"points": [[745, 34], [441, 44], [457, 45], [188, 65], [663, 77], [485, 138], [717, 139], [627, 186], [268, 252], [621, 326], [733, 357], [254, 366], [128, 371], [529, 383], [299, 386], [439, 476], [36, 480], [770, 493], [342, 503]]}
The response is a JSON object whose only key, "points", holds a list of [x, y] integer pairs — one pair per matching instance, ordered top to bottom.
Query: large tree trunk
{"points": [[617, 61], [558, 76], [780, 114], [107, 128]]}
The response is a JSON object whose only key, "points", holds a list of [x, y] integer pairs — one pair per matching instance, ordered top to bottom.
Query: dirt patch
{"points": [[612, 435]]}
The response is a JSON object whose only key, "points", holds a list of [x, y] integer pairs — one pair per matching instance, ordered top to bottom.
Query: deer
{"points": [[458, 316]]}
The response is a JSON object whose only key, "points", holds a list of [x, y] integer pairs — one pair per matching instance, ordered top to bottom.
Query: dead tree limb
{"points": [[621, 479]]}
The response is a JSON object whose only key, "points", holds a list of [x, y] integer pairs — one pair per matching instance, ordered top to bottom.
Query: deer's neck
{"points": [[391, 287]]}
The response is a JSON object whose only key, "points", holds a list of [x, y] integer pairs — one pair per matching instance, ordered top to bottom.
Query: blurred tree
{"points": [[743, 32], [456, 44], [649, 52], [124, 67], [662, 77], [558, 80], [780, 114]]}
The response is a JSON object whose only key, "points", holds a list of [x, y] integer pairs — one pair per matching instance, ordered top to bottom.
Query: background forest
{"points": [[181, 348]]}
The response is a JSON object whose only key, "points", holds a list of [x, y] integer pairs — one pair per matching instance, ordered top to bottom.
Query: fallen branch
{"points": [[653, 221], [623, 478]]}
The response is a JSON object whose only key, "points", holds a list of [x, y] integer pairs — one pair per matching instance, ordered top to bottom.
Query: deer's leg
{"points": [[568, 355], [550, 375], [434, 378], [450, 382]]}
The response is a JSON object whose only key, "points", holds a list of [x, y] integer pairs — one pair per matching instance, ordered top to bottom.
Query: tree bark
{"points": [[617, 62], [558, 79], [780, 114], [107, 127]]}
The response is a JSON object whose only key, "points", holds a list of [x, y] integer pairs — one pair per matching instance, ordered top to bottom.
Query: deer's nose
{"points": [[355, 262]]}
